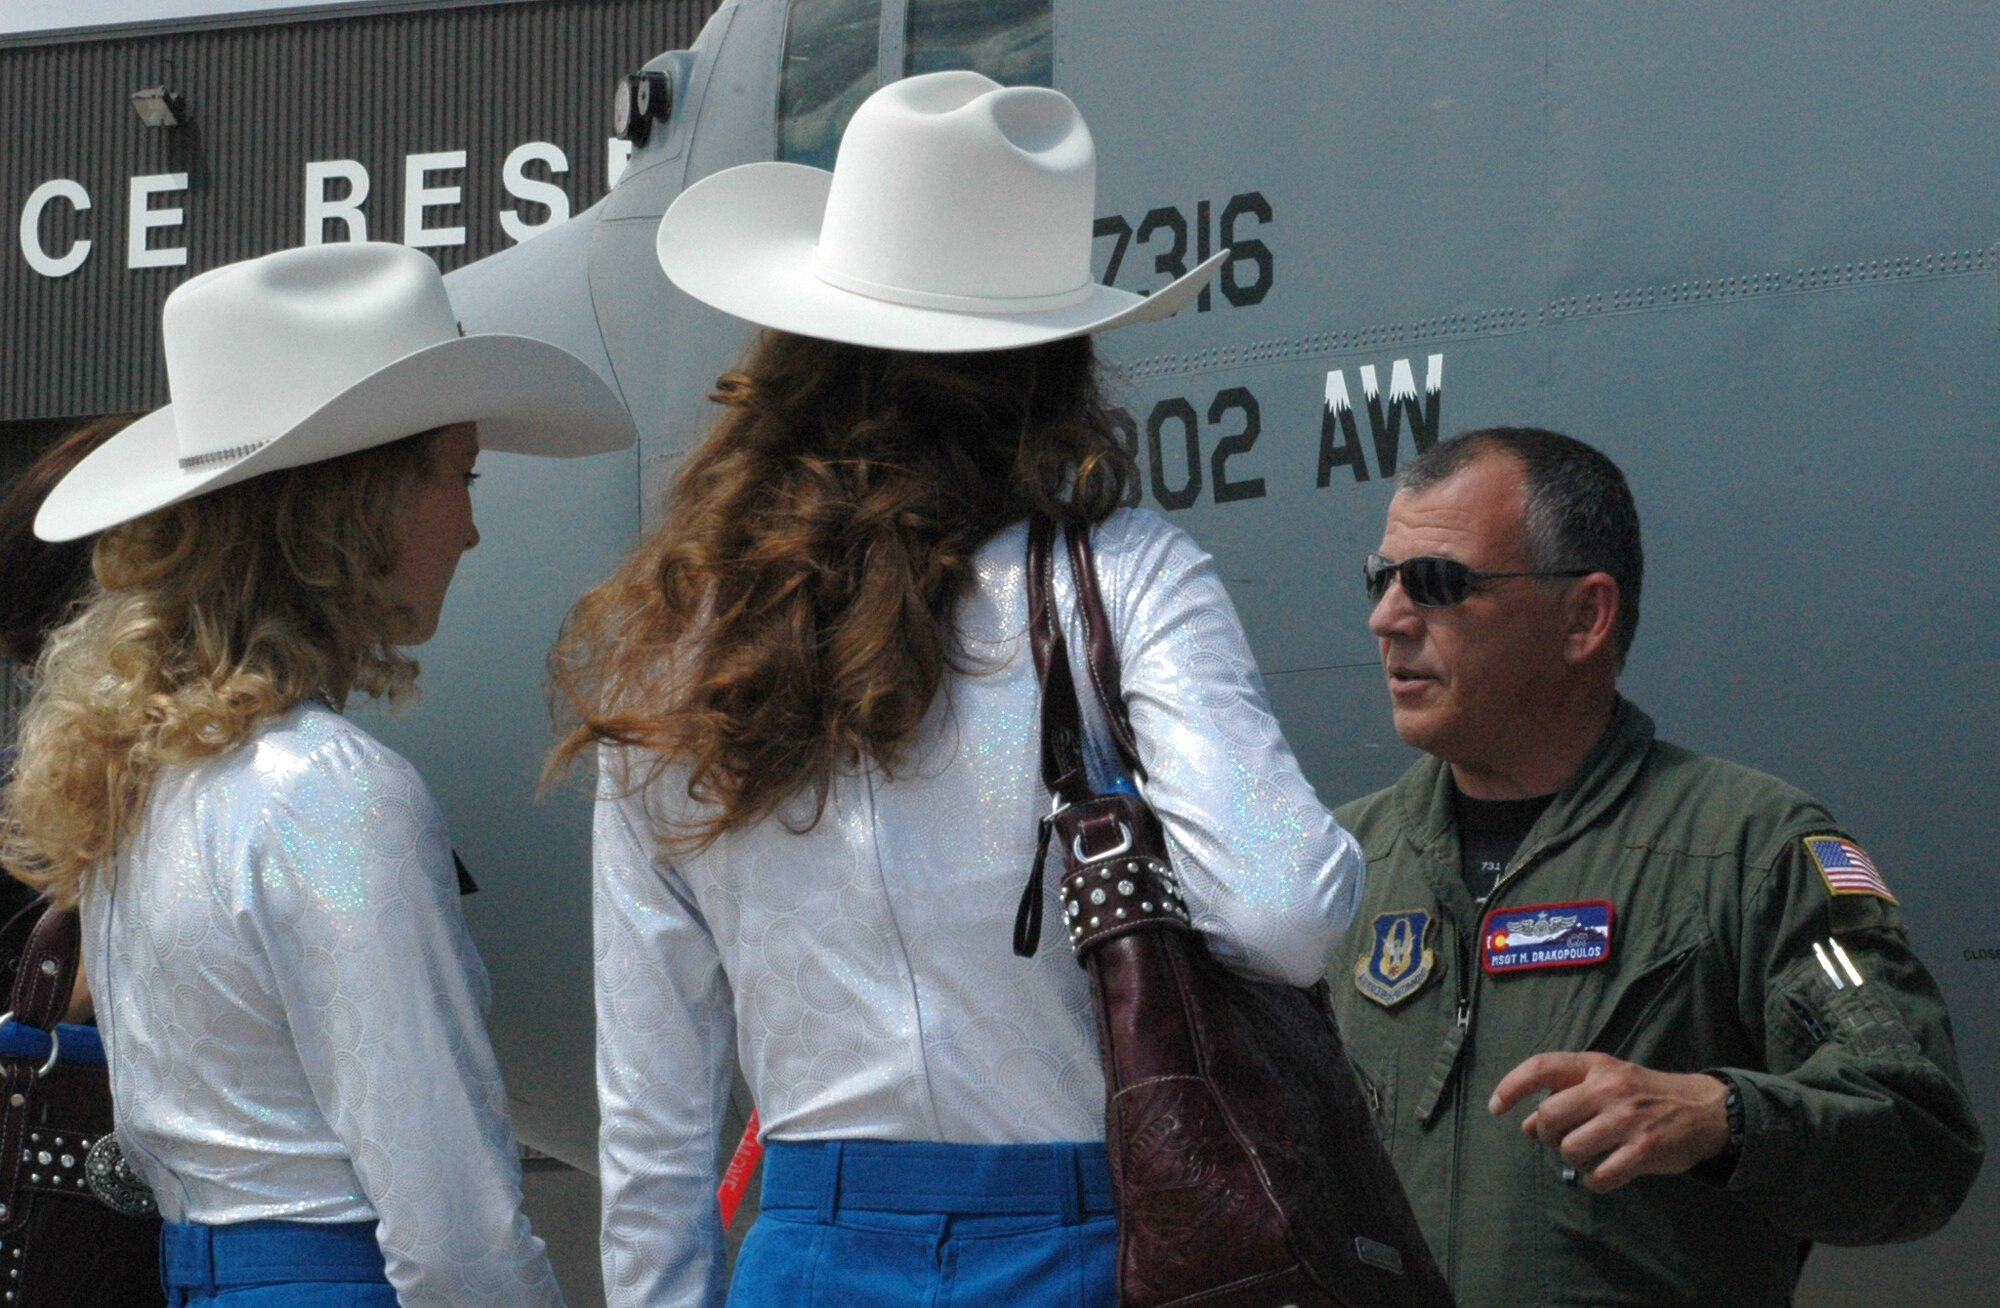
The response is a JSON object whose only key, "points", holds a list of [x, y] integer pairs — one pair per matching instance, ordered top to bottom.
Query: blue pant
{"points": [[850, 1222], [274, 1265]]}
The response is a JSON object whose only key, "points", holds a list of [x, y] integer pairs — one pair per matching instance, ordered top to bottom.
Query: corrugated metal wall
{"points": [[263, 101]]}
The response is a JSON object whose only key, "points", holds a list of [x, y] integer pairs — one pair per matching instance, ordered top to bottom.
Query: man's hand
{"points": [[1628, 1120]]}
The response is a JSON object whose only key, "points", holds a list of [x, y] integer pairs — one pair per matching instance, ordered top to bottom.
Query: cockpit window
{"points": [[1011, 41], [830, 48]]}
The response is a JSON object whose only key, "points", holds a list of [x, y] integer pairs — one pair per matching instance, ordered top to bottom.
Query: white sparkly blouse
{"points": [[863, 972], [294, 1014]]}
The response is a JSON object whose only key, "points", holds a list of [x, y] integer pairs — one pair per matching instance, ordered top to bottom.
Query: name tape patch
{"points": [[1845, 868], [1538, 936]]}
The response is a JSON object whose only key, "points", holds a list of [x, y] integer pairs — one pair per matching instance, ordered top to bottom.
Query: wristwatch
{"points": [[1732, 1108]]}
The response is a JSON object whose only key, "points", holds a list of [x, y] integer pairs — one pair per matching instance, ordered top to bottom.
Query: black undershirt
{"points": [[1490, 831]]}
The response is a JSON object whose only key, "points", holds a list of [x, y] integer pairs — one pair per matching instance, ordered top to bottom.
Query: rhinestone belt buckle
{"points": [[111, 1179]]}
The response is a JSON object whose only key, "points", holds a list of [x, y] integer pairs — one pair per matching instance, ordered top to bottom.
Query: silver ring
{"points": [[1124, 843], [55, 1046]]}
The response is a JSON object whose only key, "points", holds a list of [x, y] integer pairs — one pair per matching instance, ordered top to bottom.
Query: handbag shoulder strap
{"points": [[1101, 651], [1063, 769], [48, 968], [41, 991]]}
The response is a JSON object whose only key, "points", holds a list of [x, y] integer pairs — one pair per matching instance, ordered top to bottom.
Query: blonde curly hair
{"points": [[207, 617]]}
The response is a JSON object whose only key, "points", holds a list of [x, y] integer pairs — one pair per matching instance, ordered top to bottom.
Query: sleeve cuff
{"points": [[1769, 1145], [1718, 1170]]}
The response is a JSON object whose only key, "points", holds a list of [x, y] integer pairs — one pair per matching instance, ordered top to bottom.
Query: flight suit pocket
{"points": [[1651, 1007], [1637, 1011], [1808, 1012]]}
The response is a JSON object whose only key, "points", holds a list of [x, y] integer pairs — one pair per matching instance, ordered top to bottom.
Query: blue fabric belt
{"points": [[79, 1043], [907, 1176], [208, 1258]]}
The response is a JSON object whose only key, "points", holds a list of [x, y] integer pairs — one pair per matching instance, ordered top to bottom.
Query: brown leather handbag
{"points": [[1244, 1160], [78, 1228]]}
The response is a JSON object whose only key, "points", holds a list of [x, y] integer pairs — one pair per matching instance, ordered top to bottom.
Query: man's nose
{"points": [[1394, 614]]}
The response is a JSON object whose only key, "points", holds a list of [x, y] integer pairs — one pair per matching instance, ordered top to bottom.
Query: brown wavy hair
{"points": [[794, 611], [207, 617]]}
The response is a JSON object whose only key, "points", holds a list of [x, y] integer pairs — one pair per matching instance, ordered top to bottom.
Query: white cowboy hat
{"points": [[957, 217], [310, 354]]}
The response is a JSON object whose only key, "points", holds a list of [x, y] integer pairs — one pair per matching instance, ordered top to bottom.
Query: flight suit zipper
{"points": [[1468, 953], [1458, 1112]]}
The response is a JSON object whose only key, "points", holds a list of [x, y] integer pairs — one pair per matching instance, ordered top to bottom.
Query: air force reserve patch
{"points": [[1845, 868], [1546, 935], [1399, 959]]}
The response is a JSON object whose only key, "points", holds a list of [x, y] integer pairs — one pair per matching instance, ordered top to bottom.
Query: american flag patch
{"points": [[1846, 869]]}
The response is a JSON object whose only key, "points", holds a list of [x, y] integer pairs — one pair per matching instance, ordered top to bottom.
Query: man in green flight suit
{"points": [[1637, 1025]]}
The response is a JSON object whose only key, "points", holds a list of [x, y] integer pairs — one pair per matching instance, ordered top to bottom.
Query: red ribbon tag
{"points": [[742, 1165]]}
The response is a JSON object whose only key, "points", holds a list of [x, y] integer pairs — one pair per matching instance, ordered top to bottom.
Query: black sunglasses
{"points": [[1432, 582]]}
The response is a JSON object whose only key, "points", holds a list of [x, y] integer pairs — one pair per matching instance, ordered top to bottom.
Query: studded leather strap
{"points": [[1063, 768], [1118, 877], [1117, 895], [48, 969], [41, 992], [54, 1160]]}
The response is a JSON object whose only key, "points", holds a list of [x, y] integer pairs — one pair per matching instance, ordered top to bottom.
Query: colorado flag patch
{"points": [[1845, 869], [1546, 935]]}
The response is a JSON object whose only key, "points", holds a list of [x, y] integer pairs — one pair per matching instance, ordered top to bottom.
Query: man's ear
{"points": [[1594, 605]]}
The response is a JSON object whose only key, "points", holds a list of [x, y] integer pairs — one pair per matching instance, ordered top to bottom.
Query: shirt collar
{"points": [[1423, 797]]}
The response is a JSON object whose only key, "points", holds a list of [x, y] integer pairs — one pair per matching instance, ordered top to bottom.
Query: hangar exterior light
{"points": [[159, 107]]}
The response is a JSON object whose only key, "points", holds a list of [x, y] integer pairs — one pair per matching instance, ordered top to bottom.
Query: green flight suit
{"points": [[1857, 1125]]}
